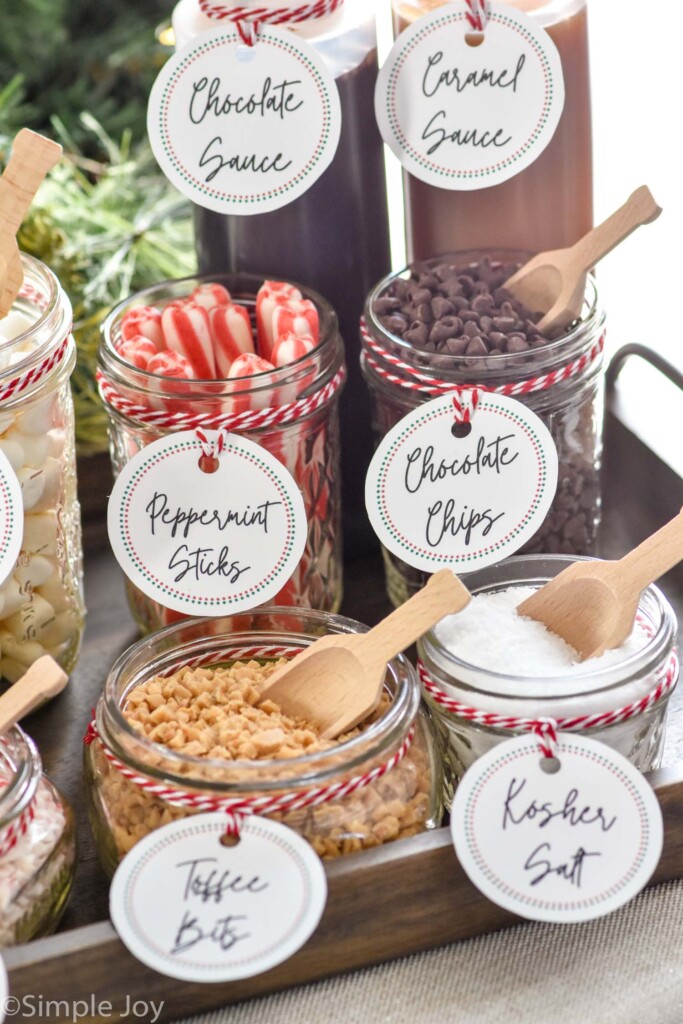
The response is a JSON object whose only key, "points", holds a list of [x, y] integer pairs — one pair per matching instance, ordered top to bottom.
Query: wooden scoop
{"points": [[32, 157], [554, 282], [593, 605], [43, 680], [337, 681]]}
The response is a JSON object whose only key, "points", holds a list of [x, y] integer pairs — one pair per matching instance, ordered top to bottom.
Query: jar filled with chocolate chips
{"points": [[447, 322]]}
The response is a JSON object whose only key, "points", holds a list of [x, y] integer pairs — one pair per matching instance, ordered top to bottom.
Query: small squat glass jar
{"points": [[572, 408], [308, 446], [41, 602], [593, 691], [404, 801], [37, 844]]}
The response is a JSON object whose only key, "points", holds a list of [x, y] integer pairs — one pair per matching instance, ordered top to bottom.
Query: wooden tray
{"points": [[384, 903]]}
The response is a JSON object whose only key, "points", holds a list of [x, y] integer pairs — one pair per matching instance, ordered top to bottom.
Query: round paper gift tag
{"points": [[464, 116], [244, 129], [460, 496], [11, 518], [206, 543], [556, 845], [192, 908]]}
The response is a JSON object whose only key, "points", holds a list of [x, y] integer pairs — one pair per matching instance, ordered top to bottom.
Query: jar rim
{"points": [[560, 350], [324, 359], [566, 685], [122, 738], [19, 757]]}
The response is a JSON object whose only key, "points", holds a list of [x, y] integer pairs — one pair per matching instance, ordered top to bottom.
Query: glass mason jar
{"points": [[549, 204], [335, 237], [572, 410], [308, 447], [41, 602], [582, 693], [404, 801], [37, 844]]}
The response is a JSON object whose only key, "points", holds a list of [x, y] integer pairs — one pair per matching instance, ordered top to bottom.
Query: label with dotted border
{"points": [[462, 116], [244, 129], [441, 501], [11, 518], [206, 543], [569, 843], [192, 908]]}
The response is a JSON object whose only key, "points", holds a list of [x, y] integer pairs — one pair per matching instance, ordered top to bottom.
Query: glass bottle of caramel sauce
{"points": [[549, 204]]}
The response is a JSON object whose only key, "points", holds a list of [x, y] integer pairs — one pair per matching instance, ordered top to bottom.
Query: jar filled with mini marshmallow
{"points": [[41, 601], [489, 674], [37, 844]]}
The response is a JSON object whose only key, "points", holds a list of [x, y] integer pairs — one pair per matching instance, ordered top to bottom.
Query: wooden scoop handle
{"points": [[32, 157], [639, 208], [653, 557], [442, 595], [43, 680]]}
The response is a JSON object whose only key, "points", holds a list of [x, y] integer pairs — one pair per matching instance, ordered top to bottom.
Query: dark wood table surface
{"points": [[640, 494]]}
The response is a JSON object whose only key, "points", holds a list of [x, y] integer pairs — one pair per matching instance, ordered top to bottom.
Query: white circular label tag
{"points": [[465, 117], [244, 129], [440, 501], [11, 518], [206, 543], [568, 846], [191, 908]]}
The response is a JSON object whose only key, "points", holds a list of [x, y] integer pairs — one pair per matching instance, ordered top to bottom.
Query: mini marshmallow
{"points": [[14, 324], [40, 417], [57, 438], [35, 447], [13, 452], [52, 473], [32, 486], [40, 533], [35, 570], [55, 591], [13, 597], [29, 623], [60, 631], [25, 652]]}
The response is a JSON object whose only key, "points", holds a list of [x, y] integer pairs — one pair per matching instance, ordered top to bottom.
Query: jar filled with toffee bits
{"points": [[448, 323], [261, 359], [41, 600], [489, 674], [182, 709], [37, 844]]}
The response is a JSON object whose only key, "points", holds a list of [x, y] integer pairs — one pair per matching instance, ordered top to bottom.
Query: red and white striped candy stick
{"points": [[210, 295], [266, 301], [298, 317], [145, 321], [187, 331], [231, 333], [291, 346], [137, 351], [172, 364], [242, 370]]}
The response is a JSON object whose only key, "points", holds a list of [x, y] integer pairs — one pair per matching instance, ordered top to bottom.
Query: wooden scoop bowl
{"points": [[32, 157], [554, 282], [593, 605], [44, 679], [337, 681]]}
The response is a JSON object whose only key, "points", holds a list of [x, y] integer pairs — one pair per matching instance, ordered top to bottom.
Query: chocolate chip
{"points": [[429, 281], [467, 284], [421, 295], [482, 303], [387, 305], [442, 307], [424, 312], [469, 314], [486, 323], [395, 324], [505, 324], [471, 329], [441, 332], [418, 334], [517, 344], [457, 346], [476, 347]]}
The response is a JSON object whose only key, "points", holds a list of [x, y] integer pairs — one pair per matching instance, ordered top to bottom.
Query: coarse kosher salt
{"points": [[490, 635]]}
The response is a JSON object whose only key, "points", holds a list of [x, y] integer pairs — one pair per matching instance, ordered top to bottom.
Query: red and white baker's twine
{"points": [[477, 14], [248, 19], [379, 359], [241, 421], [212, 448], [546, 729], [236, 808], [10, 836]]}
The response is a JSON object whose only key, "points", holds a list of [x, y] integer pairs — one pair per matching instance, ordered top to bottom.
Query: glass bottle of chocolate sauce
{"points": [[549, 204], [335, 237]]}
